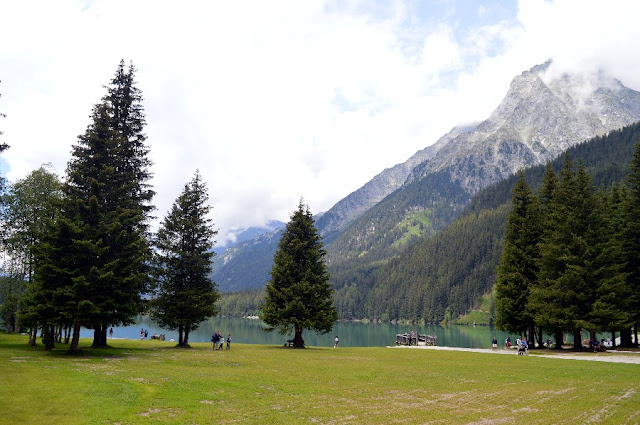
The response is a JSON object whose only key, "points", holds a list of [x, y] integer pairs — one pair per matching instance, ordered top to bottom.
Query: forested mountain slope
{"points": [[541, 115], [349, 209], [247, 264], [444, 276]]}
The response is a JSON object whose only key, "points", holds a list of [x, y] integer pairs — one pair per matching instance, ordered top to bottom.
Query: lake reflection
{"points": [[351, 334]]}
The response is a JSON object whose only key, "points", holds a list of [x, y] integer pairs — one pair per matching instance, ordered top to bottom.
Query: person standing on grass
{"points": [[111, 333], [229, 342], [335, 342]]}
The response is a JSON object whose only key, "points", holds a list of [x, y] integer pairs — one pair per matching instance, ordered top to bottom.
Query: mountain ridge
{"points": [[540, 116]]}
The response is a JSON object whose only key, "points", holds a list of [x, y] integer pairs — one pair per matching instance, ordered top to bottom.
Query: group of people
{"points": [[219, 340], [521, 343], [597, 346]]}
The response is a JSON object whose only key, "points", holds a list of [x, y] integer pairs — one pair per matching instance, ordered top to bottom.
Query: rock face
{"points": [[540, 117], [355, 204]]}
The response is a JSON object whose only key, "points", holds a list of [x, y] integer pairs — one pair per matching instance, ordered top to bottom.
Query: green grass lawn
{"points": [[152, 382]]}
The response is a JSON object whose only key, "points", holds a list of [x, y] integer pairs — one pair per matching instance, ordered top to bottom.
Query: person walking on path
{"points": [[111, 333], [335, 342], [494, 342]]}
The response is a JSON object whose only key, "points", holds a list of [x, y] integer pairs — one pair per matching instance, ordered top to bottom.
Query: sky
{"points": [[274, 101]]}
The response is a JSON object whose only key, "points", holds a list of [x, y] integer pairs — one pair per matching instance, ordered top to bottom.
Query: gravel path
{"points": [[609, 357]]}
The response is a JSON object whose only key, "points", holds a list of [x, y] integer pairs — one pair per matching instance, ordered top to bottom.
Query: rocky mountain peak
{"points": [[543, 113]]}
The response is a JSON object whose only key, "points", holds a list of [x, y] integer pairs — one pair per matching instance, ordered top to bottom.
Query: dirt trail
{"points": [[609, 357]]}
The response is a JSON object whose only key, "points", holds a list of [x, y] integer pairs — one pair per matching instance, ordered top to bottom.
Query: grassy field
{"points": [[152, 382]]}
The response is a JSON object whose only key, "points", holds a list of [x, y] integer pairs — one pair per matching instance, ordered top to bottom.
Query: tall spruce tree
{"points": [[545, 194], [110, 204], [631, 244], [518, 266], [565, 292], [185, 295], [298, 295], [611, 309]]}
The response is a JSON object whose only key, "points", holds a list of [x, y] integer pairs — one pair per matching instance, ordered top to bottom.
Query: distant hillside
{"points": [[357, 203], [246, 265]]}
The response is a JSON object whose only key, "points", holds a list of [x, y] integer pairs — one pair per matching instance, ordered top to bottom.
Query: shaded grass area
{"points": [[152, 382]]}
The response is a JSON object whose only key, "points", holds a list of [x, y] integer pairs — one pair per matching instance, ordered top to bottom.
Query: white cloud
{"points": [[274, 101]]}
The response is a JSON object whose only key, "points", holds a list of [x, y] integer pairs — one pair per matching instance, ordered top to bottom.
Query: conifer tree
{"points": [[110, 202], [632, 243], [517, 269], [60, 292], [565, 292], [185, 295], [298, 295], [611, 309]]}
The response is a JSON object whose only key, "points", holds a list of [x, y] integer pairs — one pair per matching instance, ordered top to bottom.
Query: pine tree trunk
{"points": [[48, 333], [67, 333], [33, 335], [180, 335], [99, 336], [532, 336], [540, 336], [76, 337], [96, 337], [559, 337], [625, 338], [577, 340], [185, 341], [298, 342]]}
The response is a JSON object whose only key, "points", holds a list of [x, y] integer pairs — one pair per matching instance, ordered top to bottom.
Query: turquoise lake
{"points": [[351, 334]]}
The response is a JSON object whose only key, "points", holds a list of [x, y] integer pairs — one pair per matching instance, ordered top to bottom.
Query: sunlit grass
{"points": [[151, 381]]}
